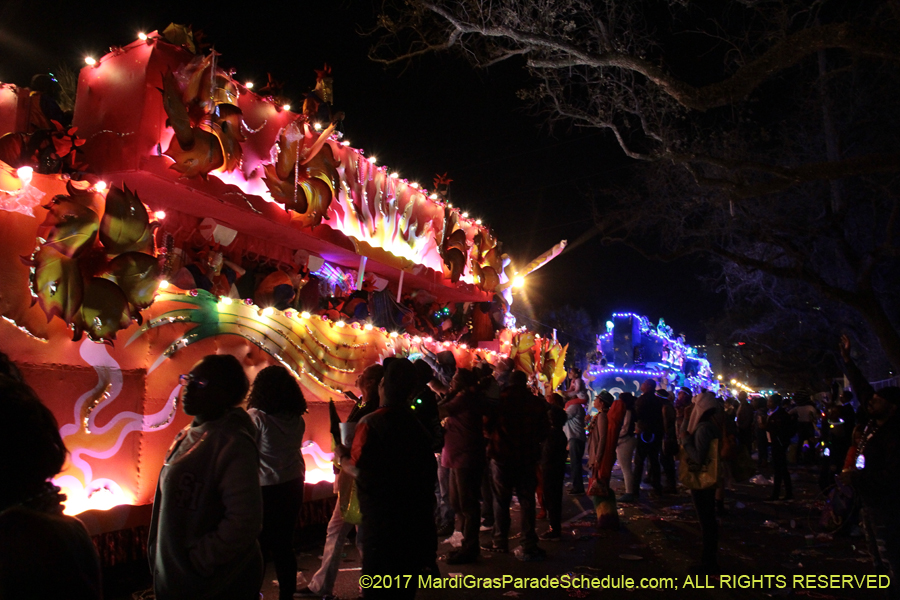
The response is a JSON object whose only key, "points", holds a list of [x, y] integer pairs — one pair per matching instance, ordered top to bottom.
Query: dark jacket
{"points": [[648, 414], [780, 425], [518, 427], [463, 431], [697, 445], [554, 450], [396, 474]]}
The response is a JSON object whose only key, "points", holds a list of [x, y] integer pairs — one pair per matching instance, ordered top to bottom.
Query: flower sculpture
{"points": [[207, 125], [303, 176], [95, 266]]}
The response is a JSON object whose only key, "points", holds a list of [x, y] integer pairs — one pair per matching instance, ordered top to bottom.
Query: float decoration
{"points": [[317, 104], [205, 118], [47, 151], [304, 174], [452, 241], [487, 260], [95, 268]]}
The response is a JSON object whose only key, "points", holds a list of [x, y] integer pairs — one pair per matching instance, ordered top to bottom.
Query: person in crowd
{"points": [[443, 364], [443, 368], [502, 372], [490, 396], [576, 396], [682, 401], [276, 405], [425, 406], [806, 415], [744, 422], [517, 430], [780, 431], [649, 432], [699, 434], [762, 435], [603, 437], [669, 446], [625, 450], [464, 456], [873, 463], [553, 466], [395, 471], [875, 472], [207, 512], [43, 553], [322, 583]]}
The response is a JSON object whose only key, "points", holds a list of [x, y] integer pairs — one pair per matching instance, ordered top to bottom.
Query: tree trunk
{"points": [[881, 326]]}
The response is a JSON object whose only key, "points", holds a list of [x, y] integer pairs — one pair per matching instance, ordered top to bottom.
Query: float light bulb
{"points": [[142, 36], [90, 61], [249, 85], [286, 107], [317, 126], [345, 143], [373, 160], [25, 174], [395, 175], [415, 184], [100, 186], [433, 196], [160, 215], [478, 221], [518, 281], [163, 284], [268, 311], [304, 314], [340, 324], [368, 327], [720, 378], [733, 381]]}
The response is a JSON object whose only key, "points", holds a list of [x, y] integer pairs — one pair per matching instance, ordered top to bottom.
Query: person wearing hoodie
{"points": [[576, 405], [276, 406], [696, 439], [207, 511]]}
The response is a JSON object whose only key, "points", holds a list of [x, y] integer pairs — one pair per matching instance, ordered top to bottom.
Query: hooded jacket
{"points": [[279, 439], [207, 512]]}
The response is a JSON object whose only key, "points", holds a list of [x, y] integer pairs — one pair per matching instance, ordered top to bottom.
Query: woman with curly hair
{"points": [[277, 405]]}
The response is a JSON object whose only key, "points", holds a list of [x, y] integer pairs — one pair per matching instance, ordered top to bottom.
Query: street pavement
{"points": [[767, 549]]}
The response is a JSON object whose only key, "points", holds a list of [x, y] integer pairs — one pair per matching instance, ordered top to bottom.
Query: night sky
{"points": [[439, 115]]}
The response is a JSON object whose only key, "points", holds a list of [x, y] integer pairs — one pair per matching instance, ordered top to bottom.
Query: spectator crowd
{"points": [[432, 450]]}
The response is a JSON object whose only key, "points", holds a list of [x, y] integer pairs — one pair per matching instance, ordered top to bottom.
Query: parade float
{"points": [[181, 214], [633, 349]]}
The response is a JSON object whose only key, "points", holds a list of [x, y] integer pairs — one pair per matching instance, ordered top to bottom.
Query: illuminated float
{"points": [[125, 239], [633, 349]]}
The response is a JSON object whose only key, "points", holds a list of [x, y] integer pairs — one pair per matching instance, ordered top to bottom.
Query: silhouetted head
{"points": [[398, 383], [214, 385], [276, 391]]}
